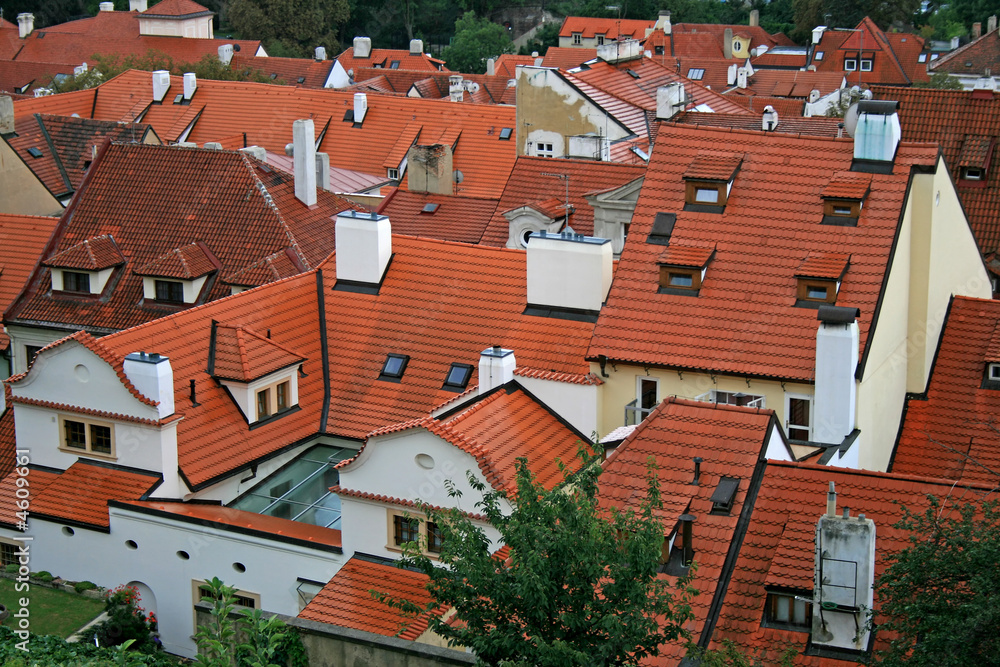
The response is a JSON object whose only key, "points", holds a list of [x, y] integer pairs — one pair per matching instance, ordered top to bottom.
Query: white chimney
{"points": [[137, 5], [107, 6], [665, 18], [754, 18], [991, 23], [25, 25], [818, 33], [955, 42], [727, 43], [362, 47], [416, 47], [619, 51], [320, 53], [226, 54], [491, 67], [731, 75], [741, 77], [161, 84], [190, 84], [455, 89], [814, 95], [670, 100], [360, 107], [6, 114], [769, 122], [877, 133], [213, 145], [258, 152], [304, 158], [323, 171], [364, 247], [568, 271], [836, 361], [496, 368], [153, 378], [843, 579]]}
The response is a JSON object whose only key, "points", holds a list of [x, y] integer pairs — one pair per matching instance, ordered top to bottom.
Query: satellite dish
{"points": [[851, 119], [458, 176]]}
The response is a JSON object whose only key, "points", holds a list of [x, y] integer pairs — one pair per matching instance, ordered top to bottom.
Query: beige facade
{"points": [[200, 27], [20, 190]]}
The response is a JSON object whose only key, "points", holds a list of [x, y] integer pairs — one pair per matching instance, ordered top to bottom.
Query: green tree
{"points": [[290, 26], [546, 36], [476, 40], [940, 80], [580, 585], [939, 599]]}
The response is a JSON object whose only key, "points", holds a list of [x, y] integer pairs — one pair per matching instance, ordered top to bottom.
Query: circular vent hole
{"points": [[131, 544], [183, 555]]}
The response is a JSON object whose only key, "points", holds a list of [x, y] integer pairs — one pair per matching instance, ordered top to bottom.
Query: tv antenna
{"points": [[565, 179]]}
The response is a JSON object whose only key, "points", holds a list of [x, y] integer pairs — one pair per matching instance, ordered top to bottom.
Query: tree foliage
{"points": [[290, 27], [476, 40], [941, 81], [580, 585], [940, 597]]}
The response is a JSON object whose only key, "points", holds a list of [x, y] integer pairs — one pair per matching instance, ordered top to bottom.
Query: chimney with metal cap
{"points": [[25, 24], [769, 122], [304, 154], [364, 247], [837, 341], [496, 368], [831, 501]]}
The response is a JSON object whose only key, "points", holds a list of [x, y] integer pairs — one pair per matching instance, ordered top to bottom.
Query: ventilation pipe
{"points": [[25, 25], [727, 44], [362, 47], [320, 54], [161, 84], [190, 84], [769, 122], [304, 154], [364, 247], [496, 368], [153, 377], [697, 471], [831, 501]]}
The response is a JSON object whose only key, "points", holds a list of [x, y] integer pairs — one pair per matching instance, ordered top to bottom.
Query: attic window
{"points": [[577, 39], [600, 40], [658, 50], [818, 55], [922, 58], [394, 64], [850, 65], [866, 65], [696, 73], [274, 75], [301, 79], [506, 133], [34, 152], [392, 174], [972, 174], [709, 180], [430, 207], [843, 212], [682, 269], [819, 277], [680, 278], [75, 281], [817, 290], [169, 291], [394, 367], [993, 372], [458, 377], [724, 495], [788, 611]]}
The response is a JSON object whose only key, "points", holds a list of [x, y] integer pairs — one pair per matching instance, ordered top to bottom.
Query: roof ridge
{"points": [[269, 201], [269, 341], [861, 472]]}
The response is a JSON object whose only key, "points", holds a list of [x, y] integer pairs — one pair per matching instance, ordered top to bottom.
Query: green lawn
{"points": [[51, 612]]}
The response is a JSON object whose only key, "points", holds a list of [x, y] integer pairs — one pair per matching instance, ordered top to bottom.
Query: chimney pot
{"points": [[25, 24], [977, 30], [6, 114], [304, 158], [697, 470], [831, 501], [847, 513]]}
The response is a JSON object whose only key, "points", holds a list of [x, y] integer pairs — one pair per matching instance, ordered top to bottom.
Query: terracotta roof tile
{"points": [[176, 8], [612, 29], [982, 53], [566, 57], [384, 59], [894, 60], [793, 83], [787, 108], [818, 126], [976, 151], [711, 166], [847, 185], [774, 208], [462, 219], [22, 241], [93, 254], [681, 255], [191, 261], [282, 264], [824, 265], [993, 350], [243, 355], [8, 445], [38, 480], [81, 493], [349, 599]]}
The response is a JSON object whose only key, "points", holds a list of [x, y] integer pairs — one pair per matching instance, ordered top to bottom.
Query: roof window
{"points": [[658, 50], [818, 55], [922, 58], [394, 64], [696, 74], [274, 75], [301, 79], [178, 98], [506, 133], [34, 152], [974, 160], [709, 180], [843, 198], [430, 207], [663, 227], [682, 269], [819, 277], [394, 367], [993, 372], [458, 377], [724, 495], [788, 611]]}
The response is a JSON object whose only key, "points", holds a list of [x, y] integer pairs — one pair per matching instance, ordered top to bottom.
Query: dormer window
{"points": [[577, 38], [600, 40], [658, 50], [850, 65], [866, 65], [974, 160], [392, 174], [972, 174], [709, 180], [843, 198], [86, 267], [682, 269], [179, 276], [819, 277], [76, 281], [169, 291], [394, 367], [458, 377]]}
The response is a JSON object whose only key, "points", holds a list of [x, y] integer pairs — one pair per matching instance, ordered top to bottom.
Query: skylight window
{"points": [[818, 55], [922, 58], [394, 64], [696, 73], [632, 74], [274, 75], [301, 79], [178, 98], [506, 133], [34, 152], [430, 207], [394, 367], [458, 377]]}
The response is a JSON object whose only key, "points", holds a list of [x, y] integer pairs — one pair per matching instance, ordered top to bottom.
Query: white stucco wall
{"points": [[194, 27], [578, 404]]}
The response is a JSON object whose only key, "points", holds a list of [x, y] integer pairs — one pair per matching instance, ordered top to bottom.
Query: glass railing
{"points": [[634, 414]]}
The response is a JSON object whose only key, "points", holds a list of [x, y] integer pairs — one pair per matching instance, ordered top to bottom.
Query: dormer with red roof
{"points": [[177, 18], [865, 54], [85, 268], [179, 276]]}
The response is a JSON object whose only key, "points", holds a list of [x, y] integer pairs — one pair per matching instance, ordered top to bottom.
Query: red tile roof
{"points": [[178, 8], [612, 29], [894, 56], [566, 57], [976, 57], [384, 59], [287, 71], [654, 74], [794, 83], [80, 102], [786, 107], [949, 117], [818, 126], [713, 166], [528, 185], [847, 185], [240, 210], [462, 219], [22, 240], [93, 254], [692, 256], [191, 261], [282, 264], [824, 265], [763, 333], [243, 355], [950, 432], [731, 441], [8, 445], [38, 480], [81, 493], [779, 545], [349, 600]]}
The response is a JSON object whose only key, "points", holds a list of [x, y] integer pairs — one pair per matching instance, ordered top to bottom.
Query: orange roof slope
{"points": [[177, 8], [612, 29], [565, 57], [894, 57], [976, 57], [390, 59], [304, 72], [653, 74], [785, 83], [951, 118], [817, 126], [528, 185], [159, 198], [462, 219], [770, 223], [22, 240], [440, 303], [243, 355], [950, 432], [731, 441], [38, 480], [81, 493], [779, 547], [347, 601]]}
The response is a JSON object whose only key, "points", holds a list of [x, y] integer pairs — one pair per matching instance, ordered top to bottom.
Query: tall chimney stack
{"points": [[754, 18], [991, 23], [25, 25], [977, 30], [727, 44], [6, 114], [304, 154], [837, 342], [496, 368]]}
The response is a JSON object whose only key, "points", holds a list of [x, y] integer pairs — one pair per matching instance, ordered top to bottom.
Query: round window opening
{"points": [[525, 235], [424, 461], [68, 531], [131, 544], [183, 555], [240, 567]]}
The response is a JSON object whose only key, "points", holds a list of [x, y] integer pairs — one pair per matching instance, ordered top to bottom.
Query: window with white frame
{"points": [[577, 39], [600, 40], [850, 64], [866, 65], [543, 149], [392, 174], [647, 393], [733, 398], [798, 416]]}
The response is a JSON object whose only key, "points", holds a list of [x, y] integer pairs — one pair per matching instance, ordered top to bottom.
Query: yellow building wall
{"points": [[20, 191]]}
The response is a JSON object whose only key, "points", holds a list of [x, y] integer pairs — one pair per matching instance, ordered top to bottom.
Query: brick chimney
{"points": [[25, 25], [977, 30], [304, 155], [430, 169], [364, 248], [496, 368]]}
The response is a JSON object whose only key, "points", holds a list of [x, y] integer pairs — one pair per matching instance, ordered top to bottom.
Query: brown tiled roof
{"points": [[177, 8], [894, 56], [566, 57], [974, 58], [287, 71], [793, 83], [785, 106], [949, 118], [818, 126], [976, 151], [847, 185], [159, 198], [462, 219], [771, 221], [22, 241], [93, 254], [191, 261], [282, 264], [824, 265], [243, 355], [8, 445], [38, 480], [81, 493]]}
